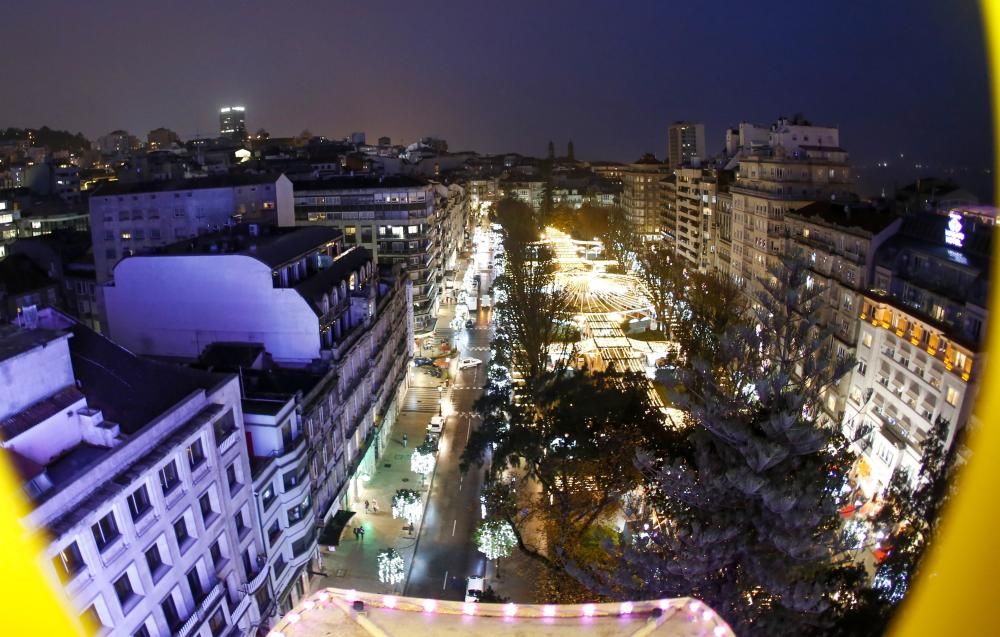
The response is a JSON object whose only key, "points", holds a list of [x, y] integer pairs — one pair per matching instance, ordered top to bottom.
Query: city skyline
{"points": [[555, 77]]}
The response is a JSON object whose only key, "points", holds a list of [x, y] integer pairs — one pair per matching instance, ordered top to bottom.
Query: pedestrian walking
{"points": [[404, 440], [367, 505], [374, 505], [356, 529], [361, 530]]}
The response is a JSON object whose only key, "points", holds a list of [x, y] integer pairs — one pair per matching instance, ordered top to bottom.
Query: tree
{"points": [[620, 241], [662, 277], [708, 307], [422, 460], [746, 495], [406, 504], [495, 539], [390, 567], [490, 596]]}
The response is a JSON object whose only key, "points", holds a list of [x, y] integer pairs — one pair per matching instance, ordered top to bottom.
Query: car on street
{"points": [[469, 324], [420, 361], [468, 363], [436, 426], [432, 440], [473, 589]]}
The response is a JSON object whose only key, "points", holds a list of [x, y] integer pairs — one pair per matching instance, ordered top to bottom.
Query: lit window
{"points": [[866, 340], [951, 396]]}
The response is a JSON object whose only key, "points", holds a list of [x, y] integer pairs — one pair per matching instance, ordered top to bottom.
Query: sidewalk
{"points": [[354, 563]]}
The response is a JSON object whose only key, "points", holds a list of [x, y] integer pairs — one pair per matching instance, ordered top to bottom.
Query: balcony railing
{"points": [[229, 441], [201, 612]]}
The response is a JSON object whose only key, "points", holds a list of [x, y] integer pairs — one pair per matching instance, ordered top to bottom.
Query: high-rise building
{"points": [[232, 123], [685, 143], [802, 163], [641, 196], [693, 207], [138, 476]]}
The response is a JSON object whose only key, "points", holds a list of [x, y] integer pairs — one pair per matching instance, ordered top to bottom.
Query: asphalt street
{"points": [[445, 555]]}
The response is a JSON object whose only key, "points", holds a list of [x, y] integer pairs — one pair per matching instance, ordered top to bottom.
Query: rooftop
{"points": [[356, 182], [108, 189], [847, 216], [272, 245], [343, 265], [19, 275], [15, 341], [334, 611]]}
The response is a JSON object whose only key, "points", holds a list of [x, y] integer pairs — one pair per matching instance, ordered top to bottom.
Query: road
{"points": [[445, 555]]}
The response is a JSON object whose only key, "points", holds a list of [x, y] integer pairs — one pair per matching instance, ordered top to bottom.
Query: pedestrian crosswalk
{"points": [[478, 349], [422, 399]]}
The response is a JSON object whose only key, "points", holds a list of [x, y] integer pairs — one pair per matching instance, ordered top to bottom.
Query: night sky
{"points": [[897, 76]]}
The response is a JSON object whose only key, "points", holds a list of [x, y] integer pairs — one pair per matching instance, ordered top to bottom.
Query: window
{"points": [[154, 233], [866, 339], [862, 368], [951, 396], [196, 454], [169, 478], [231, 478], [267, 496], [138, 503], [207, 514], [241, 523], [105, 531], [181, 532], [273, 533], [216, 552], [68, 562], [155, 563], [194, 581], [123, 589], [170, 613], [90, 619], [217, 624], [142, 632]]}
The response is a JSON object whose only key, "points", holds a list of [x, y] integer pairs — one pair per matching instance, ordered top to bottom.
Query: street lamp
{"points": [[440, 400]]}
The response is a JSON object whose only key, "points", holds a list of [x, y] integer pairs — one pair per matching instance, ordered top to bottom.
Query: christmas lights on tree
{"points": [[390, 567]]}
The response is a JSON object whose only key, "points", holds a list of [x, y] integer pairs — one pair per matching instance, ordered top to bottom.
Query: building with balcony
{"points": [[802, 163], [642, 198], [695, 198], [130, 218], [394, 218], [840, 241], [321, 339], [920, 344], [136, 473]]}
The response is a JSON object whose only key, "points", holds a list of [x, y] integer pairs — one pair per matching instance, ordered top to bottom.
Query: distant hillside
{"points": [[45, 136]]}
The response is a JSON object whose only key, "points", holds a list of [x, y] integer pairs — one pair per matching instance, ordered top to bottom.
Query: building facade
{"points": [[233, 123], [685, 144], [801, 164], [641, 196], [394, 218], [920, 344], [137, 475]]}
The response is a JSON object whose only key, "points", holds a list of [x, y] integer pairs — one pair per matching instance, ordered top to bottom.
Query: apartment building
{"points": [[685, 143], [802, 163], [528, 190], [641, 196], [695, 198], [130, 218], [394, 218], [722, 233], [840, 241], [321, 338], [920, 344], [136, 474]]}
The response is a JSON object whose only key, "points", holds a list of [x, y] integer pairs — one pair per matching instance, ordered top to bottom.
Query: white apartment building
{"points": [[801, 164], [527, 190], [695, 198], [131, 218], [394, 218], [840, 241], [323, 337], [920, 345], [137, 476]]}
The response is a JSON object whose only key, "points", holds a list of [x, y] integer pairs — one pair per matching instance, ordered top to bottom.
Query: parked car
{"points": [[469, 324], [420, 361], [468, 363], [436, 426], [473, 589]]}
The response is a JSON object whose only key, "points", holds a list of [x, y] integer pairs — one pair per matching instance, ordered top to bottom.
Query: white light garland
{"points": [[495, 539], [390, 567]]}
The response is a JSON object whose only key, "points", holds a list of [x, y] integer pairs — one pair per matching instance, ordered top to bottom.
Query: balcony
{"points": [[229, 441], [202, 611]]}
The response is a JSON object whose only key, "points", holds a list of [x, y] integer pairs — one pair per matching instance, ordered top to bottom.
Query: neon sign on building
{"points": [[953, 234]]}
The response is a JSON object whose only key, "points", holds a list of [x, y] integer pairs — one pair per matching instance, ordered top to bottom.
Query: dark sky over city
{"points": [[897, 76]]}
